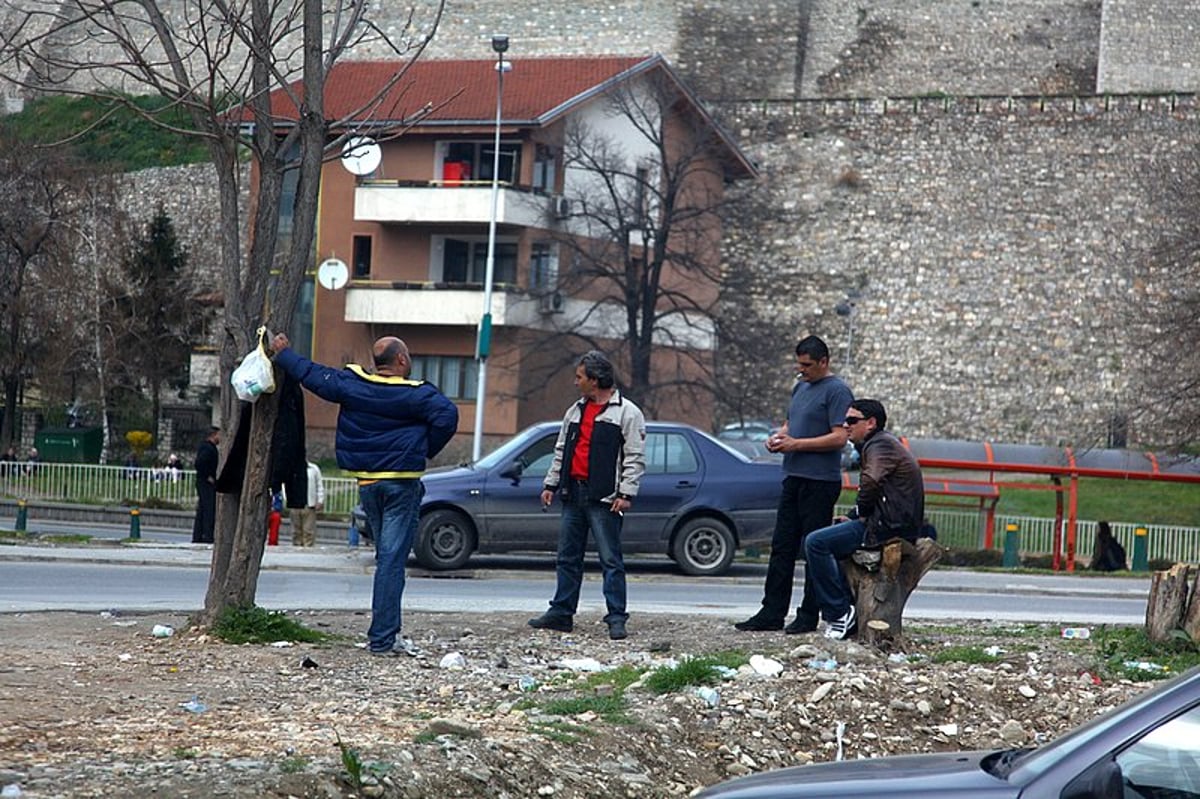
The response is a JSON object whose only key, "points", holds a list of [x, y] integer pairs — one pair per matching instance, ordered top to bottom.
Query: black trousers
{"points": [[804, 505], [206, 513]]}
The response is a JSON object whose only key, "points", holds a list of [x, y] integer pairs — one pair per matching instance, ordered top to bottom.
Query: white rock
{"points": [[768, 667], [821, 692]]}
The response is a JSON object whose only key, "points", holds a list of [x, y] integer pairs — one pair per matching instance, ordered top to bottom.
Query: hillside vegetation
{"points": [[123, 141]]}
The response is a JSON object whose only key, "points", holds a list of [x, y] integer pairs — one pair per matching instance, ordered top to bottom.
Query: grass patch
{"points": [[15, 536], [65, 538], [255, 625], [1126, 652], [963, 654], [694, 671], [619, 678], [610, 708], [560, 731], [184, 753], [293, 765]]}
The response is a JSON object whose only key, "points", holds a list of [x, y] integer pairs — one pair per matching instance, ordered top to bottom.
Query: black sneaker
{"points": [[551, 621], [758, 624], [801, 624], [616, 630]]}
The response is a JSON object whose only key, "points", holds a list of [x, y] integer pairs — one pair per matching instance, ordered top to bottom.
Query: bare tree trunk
{"points": [[882, 593], [1168, 602], [1191, 619]]}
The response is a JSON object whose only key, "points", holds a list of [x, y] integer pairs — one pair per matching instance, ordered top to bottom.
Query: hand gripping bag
{"points": [[255, 375]]}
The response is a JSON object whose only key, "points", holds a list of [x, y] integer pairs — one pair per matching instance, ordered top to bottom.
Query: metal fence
{"points": [[132, 486], [159, 487], [966, 530]]}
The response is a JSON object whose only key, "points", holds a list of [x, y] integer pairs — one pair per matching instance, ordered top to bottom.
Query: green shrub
{"points": [[254, 625], [693, 671]]}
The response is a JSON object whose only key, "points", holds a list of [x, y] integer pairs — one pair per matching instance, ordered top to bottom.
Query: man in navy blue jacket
{"points": [[388, 426]]}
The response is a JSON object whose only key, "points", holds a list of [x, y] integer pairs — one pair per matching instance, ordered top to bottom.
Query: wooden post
{"points": [[882, 593]]}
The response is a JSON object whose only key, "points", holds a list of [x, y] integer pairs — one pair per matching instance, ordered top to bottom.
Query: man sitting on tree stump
{"points": [[891, 504]]}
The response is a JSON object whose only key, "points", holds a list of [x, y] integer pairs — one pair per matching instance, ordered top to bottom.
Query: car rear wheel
{"points": [[445, 540], [704, 546]]}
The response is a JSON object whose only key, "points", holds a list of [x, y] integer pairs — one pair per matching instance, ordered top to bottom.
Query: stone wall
{"points": [[1149, 46], [992, 242]]}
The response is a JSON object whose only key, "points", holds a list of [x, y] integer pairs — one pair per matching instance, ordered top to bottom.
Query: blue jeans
{"points": [[393, 510], [580, 514], [822, 548]]}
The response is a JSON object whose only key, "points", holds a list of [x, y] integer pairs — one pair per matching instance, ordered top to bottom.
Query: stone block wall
{"points": [[993, 242]]}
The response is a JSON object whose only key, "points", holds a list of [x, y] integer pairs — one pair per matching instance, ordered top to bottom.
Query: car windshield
{"points": [[1034, 762]]}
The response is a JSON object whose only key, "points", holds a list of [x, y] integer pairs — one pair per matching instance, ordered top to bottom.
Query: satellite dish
{"points": [[361, 155], [333, 274]]}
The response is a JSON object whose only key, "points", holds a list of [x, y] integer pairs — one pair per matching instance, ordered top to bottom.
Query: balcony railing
{"points": [[434, 202]]}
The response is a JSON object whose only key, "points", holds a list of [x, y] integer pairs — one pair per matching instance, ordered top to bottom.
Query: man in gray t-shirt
{"points": [[811, 443]]}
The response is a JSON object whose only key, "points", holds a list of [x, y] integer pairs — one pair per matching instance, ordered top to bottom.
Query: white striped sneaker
{"points": [[842, 628]]}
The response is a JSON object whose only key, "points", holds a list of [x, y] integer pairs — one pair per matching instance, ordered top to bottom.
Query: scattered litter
{"points": [[125, 623], [162, 631], [1076, 632], [282, 644], [994, 651], [124, 657], [897, 657], [453, 660], [308, 663], [582, 664], [822, 664], [1147, 666], [768, 667], [724, 672], [1089, 677], [527, 683], [711, 696], [194, 705], [841, 731], [11, 791]]}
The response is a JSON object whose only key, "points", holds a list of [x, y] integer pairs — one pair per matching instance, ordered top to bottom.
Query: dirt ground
{"points": [[96, 705]]}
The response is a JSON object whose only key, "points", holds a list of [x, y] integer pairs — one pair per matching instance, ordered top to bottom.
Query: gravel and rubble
{"points": [[97, 705]]}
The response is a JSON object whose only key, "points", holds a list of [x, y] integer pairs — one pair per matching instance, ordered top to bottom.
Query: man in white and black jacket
{"points": [[599, 459], [891, 504]]}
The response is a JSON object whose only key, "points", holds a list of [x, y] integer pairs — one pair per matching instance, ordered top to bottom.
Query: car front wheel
{"points": [[445, 540], [704, 547]]}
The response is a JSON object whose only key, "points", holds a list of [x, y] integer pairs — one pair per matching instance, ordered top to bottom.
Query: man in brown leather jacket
{"points": [[891, 503]]}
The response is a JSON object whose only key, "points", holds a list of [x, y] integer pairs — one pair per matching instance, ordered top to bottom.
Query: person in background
{"points": [[388, 427], [811, 442], [207, 459], [599, 459], [8, 462], [32, 462], [174, 467], [304, 520], [1109, 555]]}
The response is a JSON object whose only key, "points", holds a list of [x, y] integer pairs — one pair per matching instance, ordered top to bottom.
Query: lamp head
{"points": [[499, 43]]}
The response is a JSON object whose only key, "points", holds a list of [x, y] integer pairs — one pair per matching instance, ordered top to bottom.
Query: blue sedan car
{"points": [[698, 502]]}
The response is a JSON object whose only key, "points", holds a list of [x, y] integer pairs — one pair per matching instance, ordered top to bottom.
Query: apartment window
{"points": [[472, 160], [543, 168], [361, 257], [465, 261], [543, 266], [456, 376]]}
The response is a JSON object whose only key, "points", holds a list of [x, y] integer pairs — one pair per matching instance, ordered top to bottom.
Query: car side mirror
{"points": [[513, 471], [1101, 781]]}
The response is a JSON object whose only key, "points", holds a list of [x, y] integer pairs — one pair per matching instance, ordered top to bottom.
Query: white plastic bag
{"points": [[255, 375]]}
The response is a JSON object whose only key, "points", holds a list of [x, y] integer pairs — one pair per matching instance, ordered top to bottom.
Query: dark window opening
{"points": [[362, 257]]}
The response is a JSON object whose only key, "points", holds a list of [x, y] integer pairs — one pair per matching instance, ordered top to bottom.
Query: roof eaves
{"points": [[600, 88]]}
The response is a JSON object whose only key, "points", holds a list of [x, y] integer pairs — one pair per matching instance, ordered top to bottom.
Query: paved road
{"points": [[162, 576]]}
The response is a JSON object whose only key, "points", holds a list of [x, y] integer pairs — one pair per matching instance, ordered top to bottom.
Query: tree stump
{"points": [[881, 594], [1168, 609]]}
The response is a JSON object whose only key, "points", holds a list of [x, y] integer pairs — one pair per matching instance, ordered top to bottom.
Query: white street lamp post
{"points": [[484, 340]]}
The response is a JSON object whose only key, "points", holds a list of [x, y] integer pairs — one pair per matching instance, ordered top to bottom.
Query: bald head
{"points": [[391, 357]]}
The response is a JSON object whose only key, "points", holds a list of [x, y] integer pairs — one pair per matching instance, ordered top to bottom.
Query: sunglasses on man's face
{"points": [[850, 421]]}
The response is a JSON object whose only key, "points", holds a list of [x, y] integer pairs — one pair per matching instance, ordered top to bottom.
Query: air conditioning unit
{"points": [[562, 207], [553, 302]]}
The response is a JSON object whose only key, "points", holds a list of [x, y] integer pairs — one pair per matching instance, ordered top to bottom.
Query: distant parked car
{"points": [[749, 430], [750, 439], [699, 501], [1148, 748]]}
